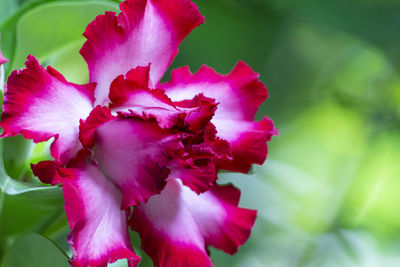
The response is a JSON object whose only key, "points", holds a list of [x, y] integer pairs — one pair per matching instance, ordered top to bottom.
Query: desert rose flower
{"points": [[130, 151]]}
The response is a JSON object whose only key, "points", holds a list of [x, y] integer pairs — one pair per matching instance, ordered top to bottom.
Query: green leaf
{"points": [[17, 152], [25, 207], [34, 250]]}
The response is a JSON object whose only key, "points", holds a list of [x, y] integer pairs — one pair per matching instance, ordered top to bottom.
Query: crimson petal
{"points": [[146, 31], [130, 95], [239, 95], [40, 104], [133, 153], [195, 168], [176, 226], [99, 231]]}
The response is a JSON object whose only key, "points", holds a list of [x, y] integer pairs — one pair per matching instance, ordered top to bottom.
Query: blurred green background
{"points": [[329, 193]]}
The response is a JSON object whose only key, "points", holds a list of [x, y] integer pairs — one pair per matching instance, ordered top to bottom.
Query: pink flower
{"points": [[125, 140]]}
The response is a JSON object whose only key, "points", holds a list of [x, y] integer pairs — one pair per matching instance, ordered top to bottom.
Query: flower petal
{"points": [[146, 31], [130, 95], [239, 95], [40, 104], [199, 110], [87, 128], [248, 141], [133, 153], [195, 168], [46, 171], [176, 226], [99, 231]]}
